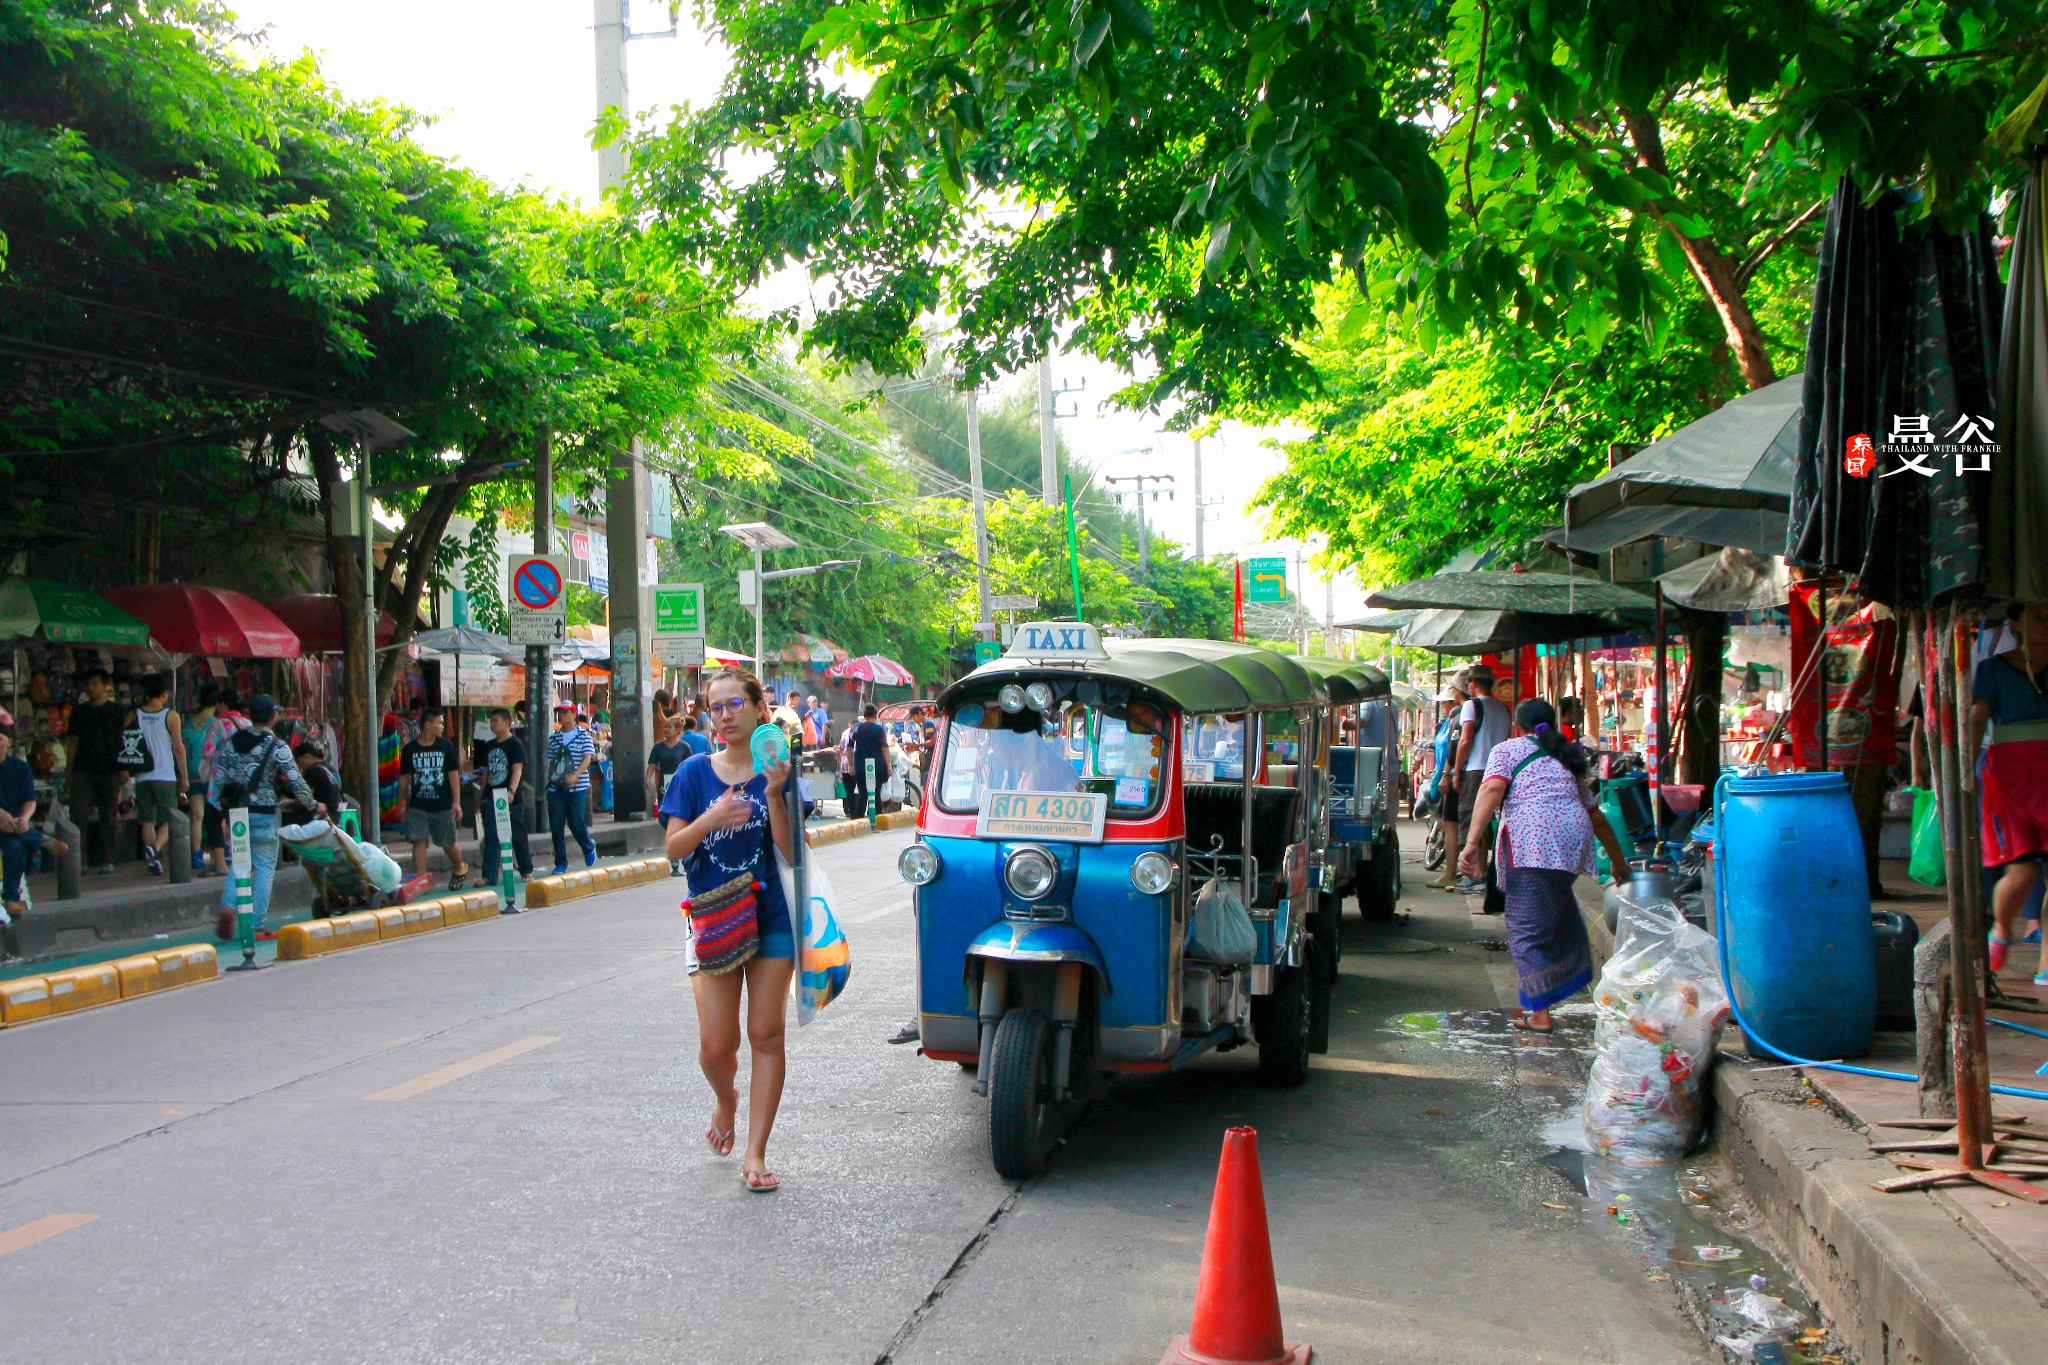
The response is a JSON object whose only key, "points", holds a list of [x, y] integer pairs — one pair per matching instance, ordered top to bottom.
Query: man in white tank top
{"points": [[159, 789]]}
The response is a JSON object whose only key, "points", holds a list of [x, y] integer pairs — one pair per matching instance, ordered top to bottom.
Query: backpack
{"points": [[242, 774]]}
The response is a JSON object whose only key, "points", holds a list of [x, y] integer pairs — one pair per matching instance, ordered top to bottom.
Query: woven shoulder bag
{"points": [[725, 924]]}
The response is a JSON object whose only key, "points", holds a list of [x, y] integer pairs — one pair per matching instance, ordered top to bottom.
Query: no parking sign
{"points": [[537, 602]]}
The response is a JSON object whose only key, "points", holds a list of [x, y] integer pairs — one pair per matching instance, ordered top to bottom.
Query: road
{"points": [[485, 1145]]}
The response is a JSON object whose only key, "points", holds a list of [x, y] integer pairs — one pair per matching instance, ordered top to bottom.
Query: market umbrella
{"points": [[1899, 345], [1725, 479], [2016, 518], [1733, 580], [1513, 590], [65, 614], [315, 617], [188, 618], [1380, 622], [1462, 630], [460, 640], [811, 649], [725, 658], [873, 668]]}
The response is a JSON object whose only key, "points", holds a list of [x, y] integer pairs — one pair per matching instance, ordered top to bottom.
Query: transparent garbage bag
{"points": [[1220, 930], [1660, 1006]]}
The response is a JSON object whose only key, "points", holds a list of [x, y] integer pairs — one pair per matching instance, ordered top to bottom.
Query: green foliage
{"points": [[483, 573]]}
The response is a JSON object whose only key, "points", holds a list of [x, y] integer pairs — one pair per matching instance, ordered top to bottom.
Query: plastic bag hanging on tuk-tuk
{"points": [[1220, 930]]}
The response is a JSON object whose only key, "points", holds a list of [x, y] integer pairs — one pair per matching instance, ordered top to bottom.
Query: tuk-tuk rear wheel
{"points": [[1379, 881], [1327, 925], [1282, 1022], [1019, 1115]]}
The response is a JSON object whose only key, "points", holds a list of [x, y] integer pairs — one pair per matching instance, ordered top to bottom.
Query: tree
{"points": [[1176, 179]]}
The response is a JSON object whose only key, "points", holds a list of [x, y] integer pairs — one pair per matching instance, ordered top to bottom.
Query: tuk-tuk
{"points": [[1362, 762], [1083, 794]]}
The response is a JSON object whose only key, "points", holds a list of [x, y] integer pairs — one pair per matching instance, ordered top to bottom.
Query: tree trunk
{"points": [[1717, 275], [417, 541], [345, 565], [1706, 634]]}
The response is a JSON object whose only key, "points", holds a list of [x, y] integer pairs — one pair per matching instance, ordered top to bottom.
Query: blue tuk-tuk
{"points": [[1083, 793]]}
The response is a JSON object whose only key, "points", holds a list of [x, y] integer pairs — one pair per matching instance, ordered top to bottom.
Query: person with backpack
{"points": [[570, 753], [247, 772], [1541, 786]]}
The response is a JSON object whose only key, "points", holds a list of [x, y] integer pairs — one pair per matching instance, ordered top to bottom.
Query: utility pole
{"points": [[1049, 396], [1201, 509], [625, 512], [1144, 530], [1300, 613], [984, 621], [540, 659]]}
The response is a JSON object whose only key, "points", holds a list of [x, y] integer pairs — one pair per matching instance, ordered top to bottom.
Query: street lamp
{"points": [[760, 537]]}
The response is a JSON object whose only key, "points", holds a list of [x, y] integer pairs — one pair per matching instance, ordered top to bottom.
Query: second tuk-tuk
{"points": [[1083, 794]]}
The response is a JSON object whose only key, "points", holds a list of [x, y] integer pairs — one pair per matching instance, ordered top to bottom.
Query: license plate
{"points": [[1075, 817]]}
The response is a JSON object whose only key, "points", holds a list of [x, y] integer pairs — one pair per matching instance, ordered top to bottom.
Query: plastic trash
{"points": [[1220, 929], [1660, 1007], [1711, 1254], [1760, 1310]]}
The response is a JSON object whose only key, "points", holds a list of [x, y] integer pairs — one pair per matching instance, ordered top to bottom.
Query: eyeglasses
{"points": [[727, 708]]}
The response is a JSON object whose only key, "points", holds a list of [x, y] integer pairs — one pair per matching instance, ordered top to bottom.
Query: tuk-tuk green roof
{"points": [[1197, 676], [1347, 680]]}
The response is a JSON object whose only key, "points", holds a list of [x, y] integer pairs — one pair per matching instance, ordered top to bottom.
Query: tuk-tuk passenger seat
{"points": [[1215, 810]]}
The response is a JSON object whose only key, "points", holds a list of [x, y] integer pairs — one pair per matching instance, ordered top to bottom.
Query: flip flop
{"points": [[1998, 947], [1525, 1026], [720, 1142], [761, 1182]]}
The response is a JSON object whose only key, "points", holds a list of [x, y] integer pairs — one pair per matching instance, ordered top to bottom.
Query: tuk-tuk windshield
{"points": [[1217, 741], [1113, 749]]}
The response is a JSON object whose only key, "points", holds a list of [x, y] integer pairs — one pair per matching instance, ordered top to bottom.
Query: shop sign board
{"points": [[601, 566], [1266, 580], [537, 606], [680, 651]]}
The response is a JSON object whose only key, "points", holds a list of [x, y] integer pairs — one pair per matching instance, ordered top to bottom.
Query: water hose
{"points": [[1728, 980]]}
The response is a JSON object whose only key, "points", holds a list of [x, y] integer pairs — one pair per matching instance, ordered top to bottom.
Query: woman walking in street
{"points": [[721, 816], [1549, 816]]}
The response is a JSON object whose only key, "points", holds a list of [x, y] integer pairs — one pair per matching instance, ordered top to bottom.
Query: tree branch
{"points": [[1478, 88], [1764, 250]]}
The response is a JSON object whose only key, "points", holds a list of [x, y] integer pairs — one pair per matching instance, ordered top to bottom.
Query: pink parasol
{"points": [[873, 668]]}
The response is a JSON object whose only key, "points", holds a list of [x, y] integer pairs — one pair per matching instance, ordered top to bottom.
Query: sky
{"points": [[511, 90]]}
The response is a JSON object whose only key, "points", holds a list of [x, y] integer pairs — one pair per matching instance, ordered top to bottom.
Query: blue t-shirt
{"points": [[2010, 694], [697, 742], [17, 784], [726, 853]]}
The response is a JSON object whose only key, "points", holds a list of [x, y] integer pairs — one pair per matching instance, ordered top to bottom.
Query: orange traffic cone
{"points": [[1237, 1303]]}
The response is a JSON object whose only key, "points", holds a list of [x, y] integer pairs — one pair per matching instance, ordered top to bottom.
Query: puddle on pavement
{"points": [[1685, 1223]]}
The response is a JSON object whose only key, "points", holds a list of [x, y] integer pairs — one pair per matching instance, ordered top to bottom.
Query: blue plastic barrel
{"points": [[1794, 904]]}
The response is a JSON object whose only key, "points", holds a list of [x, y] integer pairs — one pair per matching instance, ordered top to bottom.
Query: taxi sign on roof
{"points": [[1057, 642]]}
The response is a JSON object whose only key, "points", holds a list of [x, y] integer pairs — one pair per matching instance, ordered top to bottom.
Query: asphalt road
{"points": [[485, 1145]]}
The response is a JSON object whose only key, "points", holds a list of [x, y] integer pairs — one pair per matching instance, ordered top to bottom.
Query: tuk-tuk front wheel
{"points": [[1283, 1023], [1019, 1114]]}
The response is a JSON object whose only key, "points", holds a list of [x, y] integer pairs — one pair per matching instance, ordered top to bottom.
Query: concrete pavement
{"points": [[486, 1146]]}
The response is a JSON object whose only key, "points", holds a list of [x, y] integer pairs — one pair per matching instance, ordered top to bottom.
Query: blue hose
{"points": [[1728, 980]]}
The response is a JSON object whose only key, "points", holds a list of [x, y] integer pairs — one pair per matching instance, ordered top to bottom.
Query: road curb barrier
{"points": [[568, 886], [340, 933], [105, 983]]}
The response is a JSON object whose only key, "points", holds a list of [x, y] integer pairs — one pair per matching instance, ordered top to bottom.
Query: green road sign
{"points": [[1265, 580], [679, 609], [984, 650]]}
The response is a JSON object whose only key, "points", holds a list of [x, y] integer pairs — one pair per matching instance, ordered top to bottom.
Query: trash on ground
{"points": [[1660, 1005], [1717, 1253]]}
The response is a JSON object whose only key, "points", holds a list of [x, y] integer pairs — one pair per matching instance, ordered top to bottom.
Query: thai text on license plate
{"points": [[1076, 817]]}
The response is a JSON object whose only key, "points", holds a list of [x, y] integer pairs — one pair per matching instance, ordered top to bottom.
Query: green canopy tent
{"points": [[1513, 590], [65, 615]]}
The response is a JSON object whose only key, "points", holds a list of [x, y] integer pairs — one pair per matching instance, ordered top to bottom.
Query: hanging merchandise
{"points": [[1861, 674], [1927, 866], [1661, 1006]]}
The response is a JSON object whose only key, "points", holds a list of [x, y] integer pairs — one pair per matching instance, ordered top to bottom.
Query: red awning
{"points": [[315, 617], [185, 618]]}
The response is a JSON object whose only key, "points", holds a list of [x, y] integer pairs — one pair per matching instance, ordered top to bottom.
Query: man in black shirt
{"points": [[93, 737], [870, 742], [502, 758], [311, 761], [662, 761], [429, 770]]}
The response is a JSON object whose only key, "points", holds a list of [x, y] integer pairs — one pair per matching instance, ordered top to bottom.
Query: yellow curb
{"points": [[896, 819], [317, 938], [184, 966], [105, 983], [83, 987], [23, 999]]}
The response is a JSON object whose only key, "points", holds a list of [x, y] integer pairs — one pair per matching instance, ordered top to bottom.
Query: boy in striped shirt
{"points": [[570, 753]]}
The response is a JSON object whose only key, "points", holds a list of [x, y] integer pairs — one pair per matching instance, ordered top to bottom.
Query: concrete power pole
{"points": [[1048, 438], [1201, 512], [625, 514], [1144, 528], [984, 624]]}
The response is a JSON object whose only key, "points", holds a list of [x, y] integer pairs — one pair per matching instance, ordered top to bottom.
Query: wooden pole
{"points": [[1968, 1043]]}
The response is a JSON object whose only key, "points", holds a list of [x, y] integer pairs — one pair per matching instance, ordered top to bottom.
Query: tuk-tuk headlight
{"points": [[1040, 696], [1010, 698], [918, 864], [1152, 872], [1030, 873]]}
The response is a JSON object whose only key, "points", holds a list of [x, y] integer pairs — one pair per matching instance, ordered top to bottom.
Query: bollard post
{"points": [[874, 795], [501, 813], [179, 849], [70, 863], [242, 867]]}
